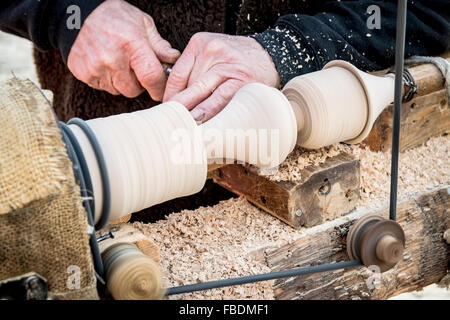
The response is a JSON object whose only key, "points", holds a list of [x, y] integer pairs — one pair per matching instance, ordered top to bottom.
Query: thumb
{"points": [[160, 46]]}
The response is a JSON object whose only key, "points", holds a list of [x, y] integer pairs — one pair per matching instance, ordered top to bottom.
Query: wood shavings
{"points": [[299, 159], [419, 168], [228, 240], [218, 242]]}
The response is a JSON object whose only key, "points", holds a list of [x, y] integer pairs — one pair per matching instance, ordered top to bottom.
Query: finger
{"points": [[161, 47], [148, 69], [179, 77], [97, 79], [104, 83], [126, 83], [199, 90], [217, 101]]}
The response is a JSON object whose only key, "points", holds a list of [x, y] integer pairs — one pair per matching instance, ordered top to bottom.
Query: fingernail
{"points": [[172, 51], [198, 114]]}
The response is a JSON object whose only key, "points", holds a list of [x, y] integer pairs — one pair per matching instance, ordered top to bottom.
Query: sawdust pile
{"points": [[298, 159], [427, 165], [419, 168], [219, 242]]}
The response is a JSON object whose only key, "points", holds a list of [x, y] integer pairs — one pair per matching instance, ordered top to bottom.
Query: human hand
{"points": [[119, 50], [213, 67]]}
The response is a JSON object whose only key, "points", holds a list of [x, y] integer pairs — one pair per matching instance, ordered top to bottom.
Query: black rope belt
{"points": [[399, 71], [410, 85], [103, 170], [81, 173], [83, 177], [263, 277]]}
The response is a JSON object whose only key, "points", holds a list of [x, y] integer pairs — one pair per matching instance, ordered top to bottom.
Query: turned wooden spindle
{"points": [[337, 104], [161, 153]]}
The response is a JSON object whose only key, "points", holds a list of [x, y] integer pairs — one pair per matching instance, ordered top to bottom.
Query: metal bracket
{"points": [[29, 286]]}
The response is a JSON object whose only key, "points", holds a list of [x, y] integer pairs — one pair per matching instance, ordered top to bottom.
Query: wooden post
{"points": [[425, 116]]}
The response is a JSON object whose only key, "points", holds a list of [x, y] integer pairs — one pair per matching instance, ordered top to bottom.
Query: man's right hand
{"points": [[119, 50]]}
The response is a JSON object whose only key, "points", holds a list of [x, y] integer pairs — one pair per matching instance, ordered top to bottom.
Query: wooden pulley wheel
{"points": [[357, 230], [376, 241], [130, 274]]}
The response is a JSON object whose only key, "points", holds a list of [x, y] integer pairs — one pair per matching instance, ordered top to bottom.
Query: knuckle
{"points": [[150, 21], [149, 24], [197, 36], [197, 39], [161, 43], [215, 46], [106, 59], [148, 71], [243, 73], [82, 76], [149, 77], [176, 78], [92, 81], [104, 84], [235, 84], [199, 86], [127, 88], [227, 91], [130, 92], [219, 103]]}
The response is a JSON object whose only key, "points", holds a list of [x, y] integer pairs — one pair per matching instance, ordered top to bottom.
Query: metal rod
{"points": [[399, 66], [109, 235], [262, 277]]}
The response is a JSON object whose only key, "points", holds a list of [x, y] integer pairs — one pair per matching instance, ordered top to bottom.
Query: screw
{"points": [[325, 188], [298, 213], [110, 234], [33, 283]]}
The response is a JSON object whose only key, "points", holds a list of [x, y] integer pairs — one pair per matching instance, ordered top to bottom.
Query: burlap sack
{"points": [[43, 225]]}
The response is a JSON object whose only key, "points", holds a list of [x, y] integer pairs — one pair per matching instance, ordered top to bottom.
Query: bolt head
{"points": [[298, 213]]}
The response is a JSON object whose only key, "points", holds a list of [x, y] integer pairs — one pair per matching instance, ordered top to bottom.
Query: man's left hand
{"points": [[213, 67]]}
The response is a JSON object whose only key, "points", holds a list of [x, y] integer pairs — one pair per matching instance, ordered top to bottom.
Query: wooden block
{"points": [[425, 116], [327, 191], [423, 217], [125, 232]]}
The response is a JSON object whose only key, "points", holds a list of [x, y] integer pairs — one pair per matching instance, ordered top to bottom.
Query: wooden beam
{"points": [[425, 116], [326, 192], [424, 218]]}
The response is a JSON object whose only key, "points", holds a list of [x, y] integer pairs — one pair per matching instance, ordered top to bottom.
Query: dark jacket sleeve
{"points": [[45, 22], [300, 44]]}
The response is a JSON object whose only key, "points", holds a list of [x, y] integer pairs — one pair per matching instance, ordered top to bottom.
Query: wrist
{"points": [[73, 14], [289, 52], [274, 77]]}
